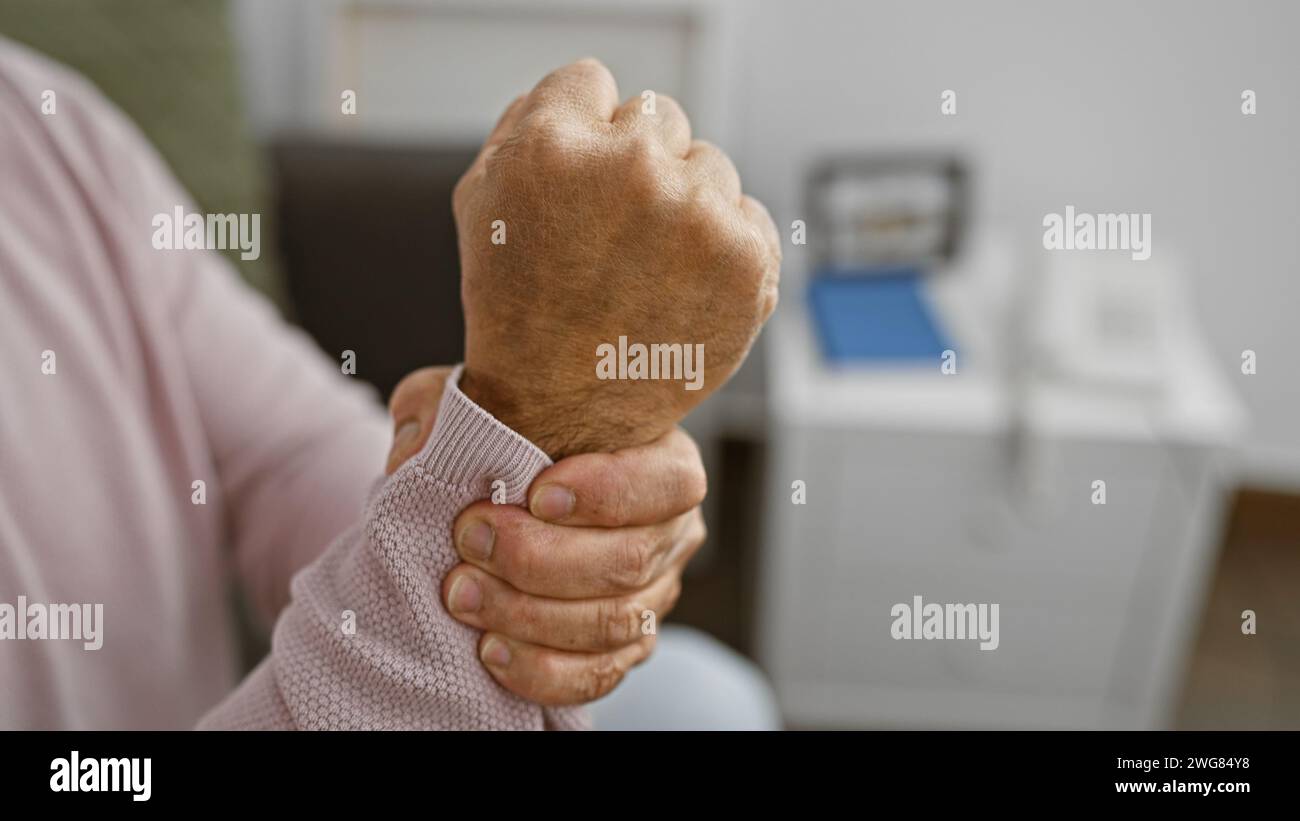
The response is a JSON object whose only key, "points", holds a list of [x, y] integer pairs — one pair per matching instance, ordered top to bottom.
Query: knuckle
{"points": [[589, 69], [670, 105], [668, 113], [547, 134], [643, 147], [704, 151], [714, 159], [643, 168], [709, 216], [704, 228], [756, 255], [746, 258], [771, 296], [695, 485], [612, 492], [620, 494], [699, 530], [633, 561], [617, 622], [603, 675]]}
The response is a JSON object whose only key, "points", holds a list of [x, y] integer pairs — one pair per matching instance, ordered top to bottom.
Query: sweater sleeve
{"points": [[365, 642]]}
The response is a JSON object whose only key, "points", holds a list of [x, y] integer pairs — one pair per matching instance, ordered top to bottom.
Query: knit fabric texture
{"points": [[407, 664]]}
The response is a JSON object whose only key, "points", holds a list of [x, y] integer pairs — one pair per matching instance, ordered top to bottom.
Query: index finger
{"points": [[585, 88], [758, 215], [636, 486]]}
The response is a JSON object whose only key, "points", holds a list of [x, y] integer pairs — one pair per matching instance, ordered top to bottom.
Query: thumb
{"points": [[414, 408]]}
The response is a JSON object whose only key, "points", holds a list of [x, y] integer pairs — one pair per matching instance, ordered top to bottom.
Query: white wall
{"points": [[1108, 106]]}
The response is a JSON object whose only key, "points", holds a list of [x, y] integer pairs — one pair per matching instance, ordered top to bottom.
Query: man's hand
{"points": [[582, 221], [568, 590]]}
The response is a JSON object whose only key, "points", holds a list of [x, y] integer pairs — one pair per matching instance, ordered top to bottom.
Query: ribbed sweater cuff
{"points": [[469, 447]]}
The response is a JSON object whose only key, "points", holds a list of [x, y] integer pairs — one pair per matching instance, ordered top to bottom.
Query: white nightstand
{"points": [[973, 488]]}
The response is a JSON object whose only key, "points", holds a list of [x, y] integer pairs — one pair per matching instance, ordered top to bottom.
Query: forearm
{"points": [[366, 643]]}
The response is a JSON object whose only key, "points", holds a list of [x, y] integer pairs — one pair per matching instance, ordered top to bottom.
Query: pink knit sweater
{"points": [[163, 434], [403, 663]]}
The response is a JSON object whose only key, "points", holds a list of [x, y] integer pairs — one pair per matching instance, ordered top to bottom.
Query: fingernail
{"points": [[552, 502], [476, 540], [465, 595], [495, 653]]}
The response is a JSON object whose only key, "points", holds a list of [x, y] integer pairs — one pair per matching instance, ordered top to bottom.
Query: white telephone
{"points": [[1106, 320]]}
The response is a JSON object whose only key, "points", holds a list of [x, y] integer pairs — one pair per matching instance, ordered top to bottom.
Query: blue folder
{"points": [[876, 318]]}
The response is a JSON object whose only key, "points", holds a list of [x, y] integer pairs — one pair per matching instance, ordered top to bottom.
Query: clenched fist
{"points": [[583, 221]]}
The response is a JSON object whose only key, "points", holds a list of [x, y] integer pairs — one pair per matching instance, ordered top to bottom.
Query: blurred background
{"points": [[934, 403]]}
